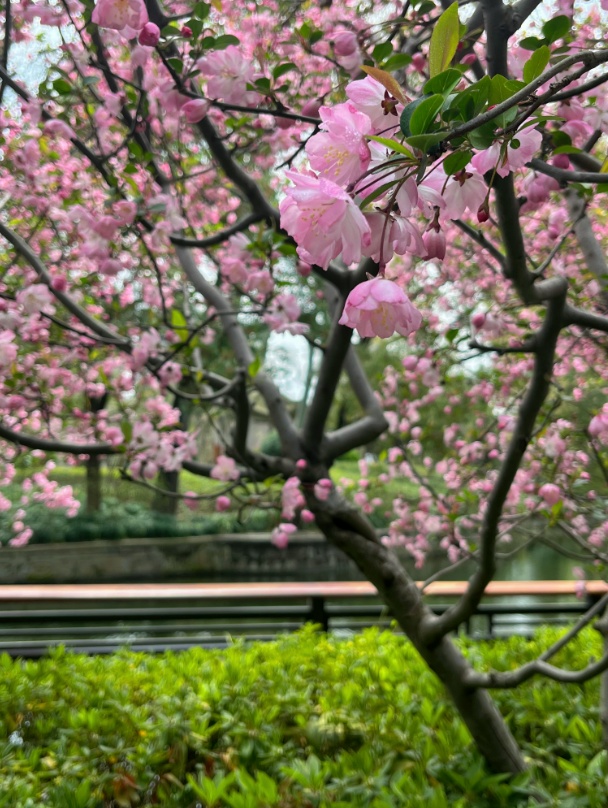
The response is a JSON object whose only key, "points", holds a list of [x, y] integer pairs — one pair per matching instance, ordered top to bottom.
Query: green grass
{"points": [[308, 720]]}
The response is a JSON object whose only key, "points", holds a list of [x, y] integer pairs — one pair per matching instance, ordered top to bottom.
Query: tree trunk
{"points": [[93, 472], [164, 503], [352, 533]]}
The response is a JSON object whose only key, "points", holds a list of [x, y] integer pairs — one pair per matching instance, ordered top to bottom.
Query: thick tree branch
{"points": [[563, 175], [522, 434], [52, 445]]}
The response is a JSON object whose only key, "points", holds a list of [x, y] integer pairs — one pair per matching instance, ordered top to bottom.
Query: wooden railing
{"points": [[98, 618]]}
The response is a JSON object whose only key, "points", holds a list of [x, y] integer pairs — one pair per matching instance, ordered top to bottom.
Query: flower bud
{"points": [[149, 35]]}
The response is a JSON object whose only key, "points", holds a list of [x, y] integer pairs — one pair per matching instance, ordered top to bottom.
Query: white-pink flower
{"points": [[119, 14], [229, 73], [369, 96], [519, 150], [340, 153], [323, 220], [35, 298], [379, 308], [283, 315], [8, 349], [225, 469], [550, 493], [292, 498], [280, 535]]}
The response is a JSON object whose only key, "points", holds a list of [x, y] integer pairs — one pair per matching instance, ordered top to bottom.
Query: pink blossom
{"points": [[119, 14], [149, 35], [229, 73], [370, 97], [195, 110], [519, 151], [340, 152], [464, 190], [125, 211], [323, 220], [35, 298], [378, 308], [283, 315], [8, 349], [169, 373], [225, 469], [323, 489], [550, 493], [292, 498], [222, 503], [307, 516], [280, 535]]}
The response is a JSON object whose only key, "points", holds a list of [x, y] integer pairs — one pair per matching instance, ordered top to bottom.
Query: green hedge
{"points": [[118, 520], [309, 720]]}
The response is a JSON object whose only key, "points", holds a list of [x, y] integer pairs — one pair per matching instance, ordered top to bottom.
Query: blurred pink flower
{"points": [[119, 14]]}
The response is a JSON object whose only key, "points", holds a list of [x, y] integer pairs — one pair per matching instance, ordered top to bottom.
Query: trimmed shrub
{"points": [[309, 720]]}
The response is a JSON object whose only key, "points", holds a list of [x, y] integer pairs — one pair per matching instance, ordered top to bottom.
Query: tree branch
{"points": [[528, 412]]}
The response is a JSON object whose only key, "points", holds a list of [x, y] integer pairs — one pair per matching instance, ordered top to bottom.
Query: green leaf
{"points": [[201, 10], [196, 26], [556, 28], [444, 40], [222, 42], [531, 43], [382, 51], [397, 61], [536, 63], [176, 64], [280, 70], [386, 80], [443, 83], [62, 86], [501, 89], [469, 102], [406, 115], [423, 117], [483, 136], [425, 143], [394, 145], [456, 161], [179, 324], [254, 367]]}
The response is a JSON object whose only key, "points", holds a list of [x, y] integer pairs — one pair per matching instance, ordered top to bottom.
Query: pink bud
{"points": [[186, 32], [149, 35], [345, 43], [311, 109], [195, 110], [283, 123], [561, 161], [483, 214], [434, 242], [59, 283], [478, 320], [301, 463], [550, 493], [222, 504], [307, 516]]}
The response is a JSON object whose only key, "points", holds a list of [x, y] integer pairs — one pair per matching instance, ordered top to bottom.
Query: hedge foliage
{"points": [[309, 720]]}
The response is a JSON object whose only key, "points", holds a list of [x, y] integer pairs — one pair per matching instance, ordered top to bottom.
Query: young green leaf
{"points": [[444, 40], [536, 63], [423, 117]]}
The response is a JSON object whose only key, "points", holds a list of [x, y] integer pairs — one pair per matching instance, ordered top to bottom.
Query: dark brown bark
{"points": [[348, 530]]}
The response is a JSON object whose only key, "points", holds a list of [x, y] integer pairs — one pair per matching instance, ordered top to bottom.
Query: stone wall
{"points": [[235, 557]]}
